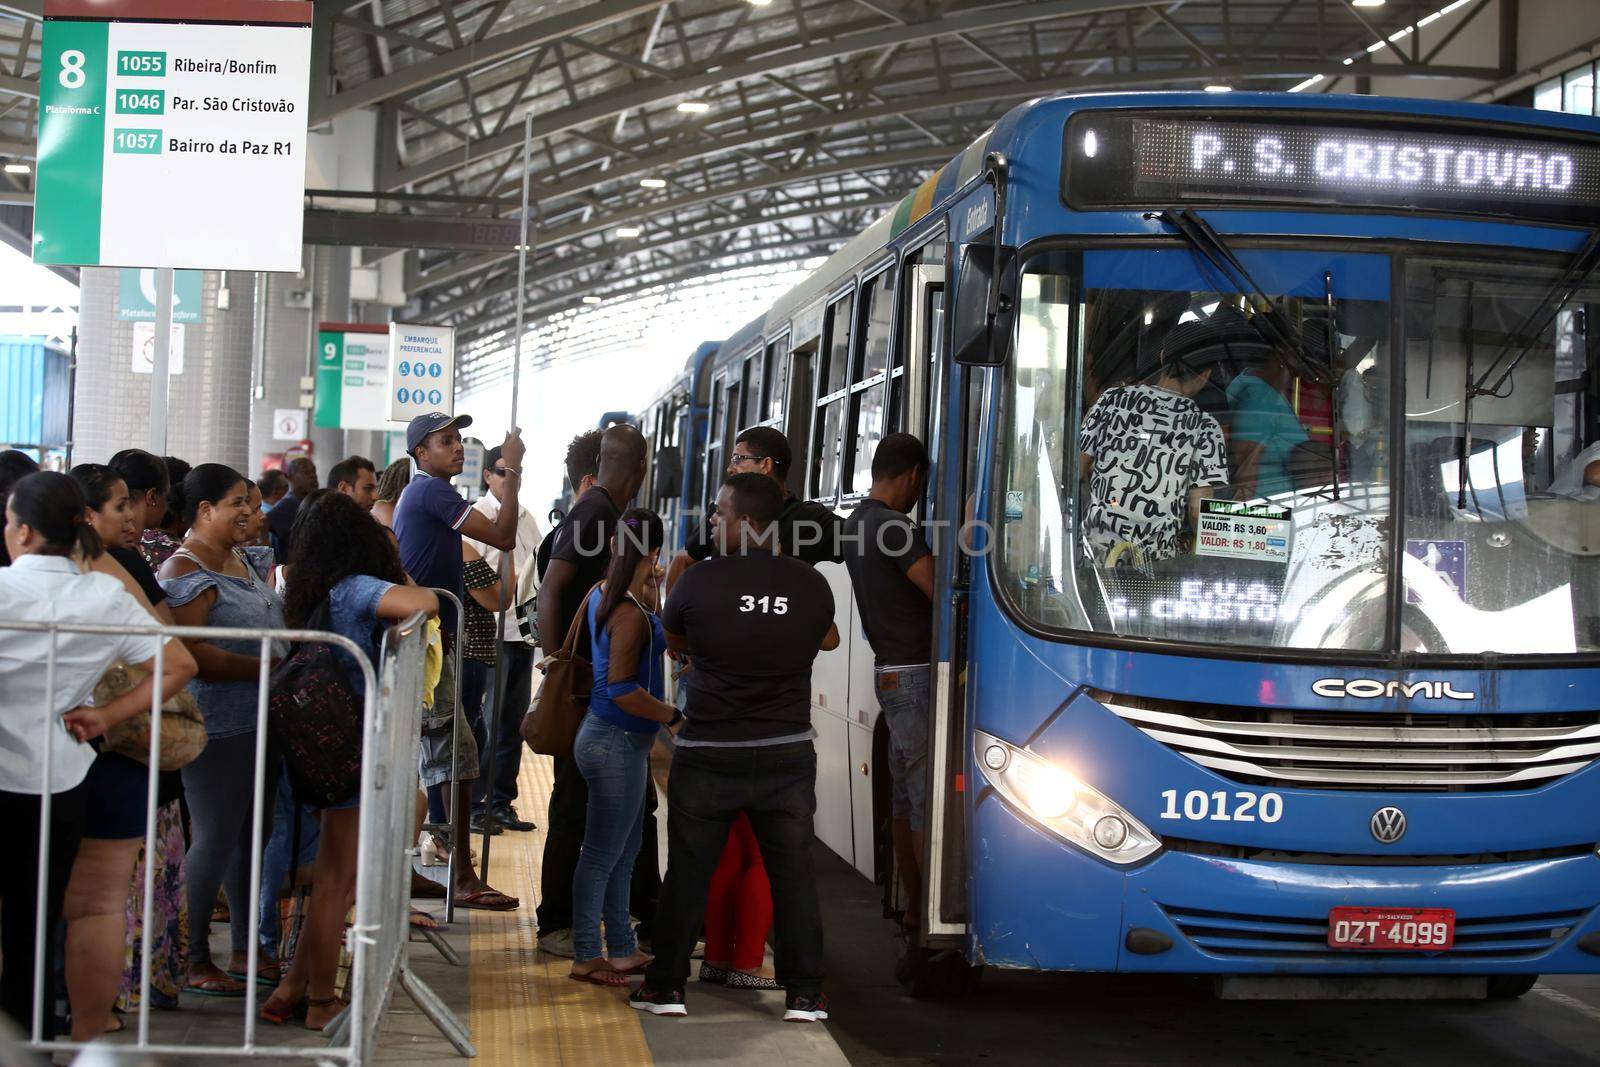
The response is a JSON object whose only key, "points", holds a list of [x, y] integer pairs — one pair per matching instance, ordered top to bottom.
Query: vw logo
{"points": [[1388, 825]]}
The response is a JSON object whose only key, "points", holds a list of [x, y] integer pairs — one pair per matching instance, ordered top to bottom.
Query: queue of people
{"points": [[739, 617]]}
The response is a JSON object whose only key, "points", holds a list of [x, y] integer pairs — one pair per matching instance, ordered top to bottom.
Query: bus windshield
{"points": [[1177, 470]]}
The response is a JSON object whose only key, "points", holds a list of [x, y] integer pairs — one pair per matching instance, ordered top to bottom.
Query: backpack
{"points": [[317, 721]]}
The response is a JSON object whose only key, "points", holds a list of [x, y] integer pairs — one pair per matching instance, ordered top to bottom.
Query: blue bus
{"points": [[1266, 509]]}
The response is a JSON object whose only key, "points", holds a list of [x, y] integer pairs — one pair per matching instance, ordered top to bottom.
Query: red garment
{"points": [[739, 903]]}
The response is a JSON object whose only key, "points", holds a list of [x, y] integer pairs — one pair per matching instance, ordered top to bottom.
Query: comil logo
{"points": [[1372, 689]]}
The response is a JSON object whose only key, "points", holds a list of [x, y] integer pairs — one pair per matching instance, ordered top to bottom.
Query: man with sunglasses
{"points": [[807, 530], [496, 790]]}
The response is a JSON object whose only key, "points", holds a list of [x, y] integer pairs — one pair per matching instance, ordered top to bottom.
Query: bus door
{"points": [[939, 394]]}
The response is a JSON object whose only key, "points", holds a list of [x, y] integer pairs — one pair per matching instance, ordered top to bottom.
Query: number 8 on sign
{"points": [[72, 75]]}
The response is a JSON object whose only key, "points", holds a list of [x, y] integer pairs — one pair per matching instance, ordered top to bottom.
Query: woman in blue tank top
{"points": [[612, 748]]}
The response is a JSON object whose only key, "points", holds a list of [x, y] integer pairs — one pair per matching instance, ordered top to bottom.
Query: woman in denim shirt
{"points": [[341, 557], [208, 584], [612, 748]]}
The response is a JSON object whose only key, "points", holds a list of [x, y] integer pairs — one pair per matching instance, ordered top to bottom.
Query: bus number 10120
{"points": [[1220, 806]]}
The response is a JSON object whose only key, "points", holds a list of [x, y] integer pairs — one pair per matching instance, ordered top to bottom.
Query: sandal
{"points": [[432, 850], [487, 900], [421, 920], [266, 974], [603, 975], [216, 987], [323, 1002], [282, 1015]]}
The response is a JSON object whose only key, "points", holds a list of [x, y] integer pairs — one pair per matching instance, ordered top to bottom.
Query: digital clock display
{"points": [[1143, 160]]}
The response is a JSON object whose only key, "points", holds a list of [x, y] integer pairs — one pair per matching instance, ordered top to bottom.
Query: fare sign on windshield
{"points": [[1153, 160]]}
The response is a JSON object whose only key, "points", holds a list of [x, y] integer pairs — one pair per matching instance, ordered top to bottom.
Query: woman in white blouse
{"points": [[44, 731]]}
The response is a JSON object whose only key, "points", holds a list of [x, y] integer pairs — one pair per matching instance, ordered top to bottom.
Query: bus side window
{"points": [[775, 381], [831, 382], [869, 388], [798, 408], [714, 455]]}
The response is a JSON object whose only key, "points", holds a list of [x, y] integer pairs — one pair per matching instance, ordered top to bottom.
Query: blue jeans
{"points": [[903, 696], [616, 764], [276, 862]]}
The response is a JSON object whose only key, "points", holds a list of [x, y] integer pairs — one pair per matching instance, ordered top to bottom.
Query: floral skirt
{"points": [[169, 942]]}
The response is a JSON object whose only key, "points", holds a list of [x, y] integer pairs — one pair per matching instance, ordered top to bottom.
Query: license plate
{"points": [[1392, 929]]}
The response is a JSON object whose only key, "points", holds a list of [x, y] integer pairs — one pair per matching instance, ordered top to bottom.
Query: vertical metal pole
{"points": [[158, 367], [72, 392], [506, 559], [151, 789], [259, 814], [41, 929]]}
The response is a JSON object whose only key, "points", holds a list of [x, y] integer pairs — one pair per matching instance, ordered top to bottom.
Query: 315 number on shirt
{"points": [[768, 605]]}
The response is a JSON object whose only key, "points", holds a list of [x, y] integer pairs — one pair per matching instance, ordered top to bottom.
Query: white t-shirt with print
{"points": [[1151, 447]]}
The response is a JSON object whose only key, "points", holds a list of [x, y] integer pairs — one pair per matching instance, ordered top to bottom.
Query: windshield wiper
{"points": [[1578, 271], [1269, 321]]}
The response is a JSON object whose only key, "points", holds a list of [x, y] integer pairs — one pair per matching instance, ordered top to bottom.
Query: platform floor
{"points": [[518, 1003]]}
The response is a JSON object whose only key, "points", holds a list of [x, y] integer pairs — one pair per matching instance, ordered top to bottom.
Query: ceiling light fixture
{"points": [[1367, 3], [1219, 88], [694, 107], [18, 168], [653, 183], [628, 231], [592, 300]]}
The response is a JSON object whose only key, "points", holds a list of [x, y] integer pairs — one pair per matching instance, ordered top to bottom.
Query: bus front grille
{"points": [[1396, 751], [1238, 936]]}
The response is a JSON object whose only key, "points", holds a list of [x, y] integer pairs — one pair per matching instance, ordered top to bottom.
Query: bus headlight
{"points": [[1060, 803]]}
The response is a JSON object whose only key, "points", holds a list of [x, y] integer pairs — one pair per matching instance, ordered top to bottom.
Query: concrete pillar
{"points": [[290, 336], [208, 403]]}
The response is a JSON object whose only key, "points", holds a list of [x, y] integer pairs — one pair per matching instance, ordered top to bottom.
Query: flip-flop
{"points": [[478, 899], [421, 920], [637, 968], [262, 977], [606, 977], [215, 987], [117, 1024]]}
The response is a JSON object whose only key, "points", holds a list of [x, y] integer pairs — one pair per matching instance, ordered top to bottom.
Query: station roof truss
{"points": [[676, 139]]}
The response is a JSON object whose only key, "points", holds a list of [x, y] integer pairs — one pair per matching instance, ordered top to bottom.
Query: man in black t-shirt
{"points": [[806, 530], [578, 559], [891, 568], [752, 621]]}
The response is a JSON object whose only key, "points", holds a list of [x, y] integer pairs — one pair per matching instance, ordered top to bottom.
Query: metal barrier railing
{"points": [[387, 815]]}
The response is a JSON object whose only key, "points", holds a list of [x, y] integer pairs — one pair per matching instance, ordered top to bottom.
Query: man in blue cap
{"points": [[429, 521]]}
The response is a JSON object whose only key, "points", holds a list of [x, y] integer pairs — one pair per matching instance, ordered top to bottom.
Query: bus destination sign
{"points": [[1156, 160]]}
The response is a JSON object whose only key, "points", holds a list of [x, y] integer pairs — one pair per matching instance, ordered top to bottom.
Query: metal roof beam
{"points": [[478, 54], [777, 56], [653, 93], [552, 237], [571, 264]]}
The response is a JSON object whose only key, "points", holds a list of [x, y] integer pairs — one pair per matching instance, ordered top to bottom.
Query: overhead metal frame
{"points": [[819, 112]]}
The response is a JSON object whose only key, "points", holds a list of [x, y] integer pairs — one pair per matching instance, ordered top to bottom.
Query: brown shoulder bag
{"points": [[551, 725]]}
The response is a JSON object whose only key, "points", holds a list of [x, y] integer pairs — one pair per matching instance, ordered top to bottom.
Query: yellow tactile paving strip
{"points": [[524, 1008]]}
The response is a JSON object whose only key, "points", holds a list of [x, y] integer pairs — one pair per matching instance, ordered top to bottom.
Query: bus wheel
{"points": [[937, 974], [1510, 986]]}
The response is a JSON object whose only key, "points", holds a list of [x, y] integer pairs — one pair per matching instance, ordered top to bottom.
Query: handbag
{"points": [[317, 721], [552, 723], [183, 727]]}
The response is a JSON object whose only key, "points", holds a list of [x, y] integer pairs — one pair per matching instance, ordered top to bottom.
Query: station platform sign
{"points": [[172, 133]]}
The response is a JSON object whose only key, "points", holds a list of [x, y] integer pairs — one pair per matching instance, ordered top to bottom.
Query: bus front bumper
{"points": [[1038, 903]]}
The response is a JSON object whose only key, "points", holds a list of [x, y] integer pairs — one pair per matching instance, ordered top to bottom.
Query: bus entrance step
{"points": [[1340, 987]]}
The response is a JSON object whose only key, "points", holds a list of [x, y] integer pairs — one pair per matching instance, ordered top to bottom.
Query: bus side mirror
{"points": [[981, 337], [669, 473]]}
